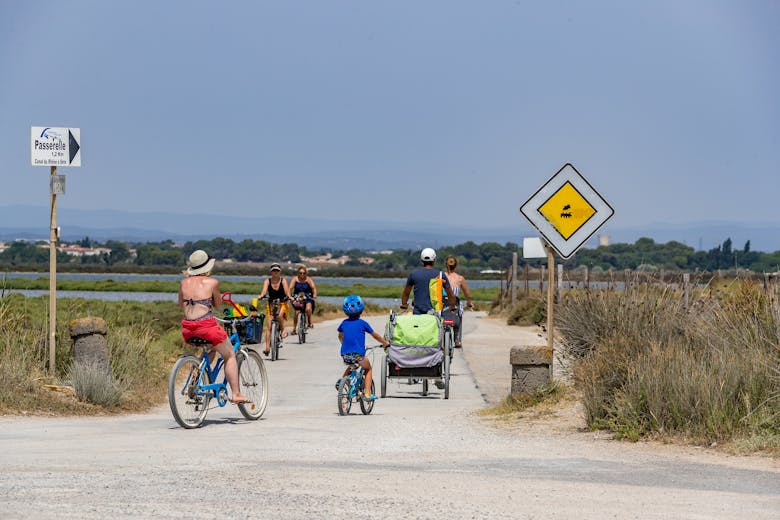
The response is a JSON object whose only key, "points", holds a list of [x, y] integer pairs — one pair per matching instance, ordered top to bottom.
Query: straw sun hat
{"points": [[199, 263]]}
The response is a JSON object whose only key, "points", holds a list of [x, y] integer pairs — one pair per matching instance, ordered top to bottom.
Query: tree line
{"points": [[644, 254]]}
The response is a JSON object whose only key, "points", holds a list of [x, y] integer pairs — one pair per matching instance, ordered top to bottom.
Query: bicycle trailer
{"points": [[418, 351]]}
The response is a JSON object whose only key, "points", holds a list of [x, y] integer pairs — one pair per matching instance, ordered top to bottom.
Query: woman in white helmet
{"points": [[420, 279]]}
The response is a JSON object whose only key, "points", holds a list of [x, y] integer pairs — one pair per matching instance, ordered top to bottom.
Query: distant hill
{"points": [[33, 222]]}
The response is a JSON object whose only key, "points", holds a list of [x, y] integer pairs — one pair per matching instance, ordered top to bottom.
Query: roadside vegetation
{"points": [[143, 342], [646, 365]]}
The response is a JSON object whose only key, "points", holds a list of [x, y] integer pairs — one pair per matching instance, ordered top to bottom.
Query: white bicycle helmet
{"points": [[428, 255]]}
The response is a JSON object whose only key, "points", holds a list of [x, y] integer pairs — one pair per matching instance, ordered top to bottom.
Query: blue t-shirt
{"points": [[420, 279], [354, 330]]}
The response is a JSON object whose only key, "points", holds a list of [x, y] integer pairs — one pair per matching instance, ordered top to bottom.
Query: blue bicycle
{"points": [[192, 384], [350, 389]]}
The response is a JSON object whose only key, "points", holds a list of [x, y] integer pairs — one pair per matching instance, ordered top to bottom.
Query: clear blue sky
{"points": [[399, 110]]}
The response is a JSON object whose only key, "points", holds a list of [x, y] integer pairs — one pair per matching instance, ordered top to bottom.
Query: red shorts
{"points": [[207, 329]]}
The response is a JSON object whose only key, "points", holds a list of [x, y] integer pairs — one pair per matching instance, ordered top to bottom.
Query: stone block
{"points": [[89, 341], [530, 368]]}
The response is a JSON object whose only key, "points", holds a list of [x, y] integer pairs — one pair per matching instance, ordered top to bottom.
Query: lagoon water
{"points": [[130, 277]]}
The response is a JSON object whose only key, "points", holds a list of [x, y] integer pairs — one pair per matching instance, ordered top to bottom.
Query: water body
{"points": [[129, 277]]}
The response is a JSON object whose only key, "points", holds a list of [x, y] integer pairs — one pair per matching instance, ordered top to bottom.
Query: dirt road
{"points": [[414, 457]]}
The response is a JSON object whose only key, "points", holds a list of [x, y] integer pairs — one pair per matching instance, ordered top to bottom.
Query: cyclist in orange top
{"points": [[277, 289]]}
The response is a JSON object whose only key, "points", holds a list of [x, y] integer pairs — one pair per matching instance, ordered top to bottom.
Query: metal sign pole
{"points": [[53, 279], [550, 302]]}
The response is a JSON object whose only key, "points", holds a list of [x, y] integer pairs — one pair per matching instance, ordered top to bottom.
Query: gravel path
{"points": [[414, 457]]}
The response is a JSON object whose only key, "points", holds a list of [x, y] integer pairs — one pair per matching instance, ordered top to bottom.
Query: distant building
{"points": [[603, 240]]}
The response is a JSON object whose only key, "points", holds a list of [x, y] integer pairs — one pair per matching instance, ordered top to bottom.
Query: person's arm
{"points": [[313, 288], [465, 288], [286, 289], [263, 290], [216, 296], [405, 296], [341, 337], [380, 339]]}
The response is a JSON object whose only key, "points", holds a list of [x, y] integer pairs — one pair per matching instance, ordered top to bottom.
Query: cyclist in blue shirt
{"points": [[420, 279], [352, 335]]}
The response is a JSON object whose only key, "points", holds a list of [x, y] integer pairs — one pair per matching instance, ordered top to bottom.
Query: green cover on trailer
{"points": [[415, 329]]}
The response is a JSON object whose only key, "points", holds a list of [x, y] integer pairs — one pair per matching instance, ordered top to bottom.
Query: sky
{"points": [[445, 112]]}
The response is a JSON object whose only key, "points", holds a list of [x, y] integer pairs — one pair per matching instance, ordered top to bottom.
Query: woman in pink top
{"points": [[458, 284]]}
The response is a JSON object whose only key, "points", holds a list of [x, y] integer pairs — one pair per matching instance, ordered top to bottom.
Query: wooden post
{"points": [[525, 272], [587, 277], [514, 278], [53, 280], [541, 280], [560, 282], [686, 289], [550, 303]]}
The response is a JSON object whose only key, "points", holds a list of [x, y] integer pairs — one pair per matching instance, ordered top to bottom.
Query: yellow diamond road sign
{"points": [[567, 211]]}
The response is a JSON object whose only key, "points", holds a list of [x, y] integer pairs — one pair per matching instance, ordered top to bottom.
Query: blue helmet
{"points": [[353, 305]]}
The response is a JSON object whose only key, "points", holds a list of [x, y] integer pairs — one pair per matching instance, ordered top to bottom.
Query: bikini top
{"points": [[206, 301]]}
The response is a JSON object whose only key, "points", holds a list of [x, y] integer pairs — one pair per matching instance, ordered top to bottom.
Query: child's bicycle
{"points": [[275, 334], [192, 385], [350, 388]]}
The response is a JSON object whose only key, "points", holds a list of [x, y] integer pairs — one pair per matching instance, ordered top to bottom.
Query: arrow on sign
{"points": [[73, 146]]}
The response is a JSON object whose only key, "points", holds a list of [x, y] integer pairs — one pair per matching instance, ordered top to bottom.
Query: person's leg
{"points": [[308, 314], [282, 317], [268, 332], [225, 350], [366, 364]]}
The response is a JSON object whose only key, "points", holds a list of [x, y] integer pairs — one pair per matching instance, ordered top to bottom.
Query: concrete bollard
{"points": [[89, 341], [530, 368]]}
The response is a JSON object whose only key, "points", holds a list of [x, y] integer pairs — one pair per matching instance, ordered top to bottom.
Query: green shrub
{"points": [[528, 311]]}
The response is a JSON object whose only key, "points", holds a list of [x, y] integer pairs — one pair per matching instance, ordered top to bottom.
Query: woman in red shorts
{"points": [[198, 294]]}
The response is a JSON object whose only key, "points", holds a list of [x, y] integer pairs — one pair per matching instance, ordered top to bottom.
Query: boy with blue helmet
{"points": [[352, 335]]}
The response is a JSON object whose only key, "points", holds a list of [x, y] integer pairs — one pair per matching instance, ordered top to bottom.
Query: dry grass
{"points": [[143, 341], [647, 366]]}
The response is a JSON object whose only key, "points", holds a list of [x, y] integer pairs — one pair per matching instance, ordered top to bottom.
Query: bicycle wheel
{"points": [[301, 327], [274, 341], [446, 366], [383, 380], [253, 382], [344, 400], [187, 405], [367, 406]]}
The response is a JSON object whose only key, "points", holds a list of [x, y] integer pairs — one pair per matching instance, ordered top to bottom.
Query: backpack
{"points": [[435, 288]]}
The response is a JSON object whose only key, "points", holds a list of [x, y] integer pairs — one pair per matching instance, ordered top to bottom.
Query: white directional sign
{"points": [[50, 146], [566, 210]]}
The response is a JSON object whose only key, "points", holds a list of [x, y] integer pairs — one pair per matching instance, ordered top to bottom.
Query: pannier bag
{"points": [[254, 329], [415, 340]]}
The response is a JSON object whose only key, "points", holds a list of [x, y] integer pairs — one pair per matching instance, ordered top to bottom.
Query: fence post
{"points": [[525, 272], [587, 277], [514, 278], [541, 280], [560, 282], [686, 289]]}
